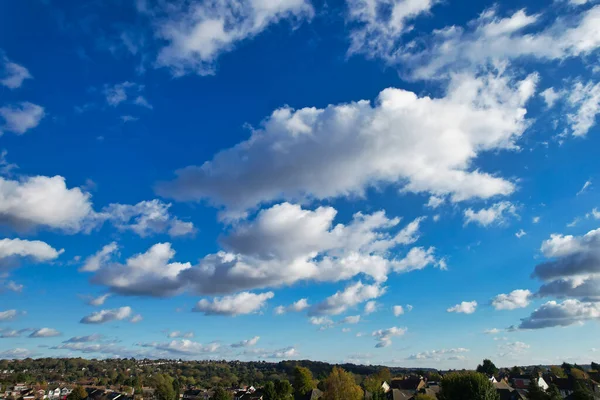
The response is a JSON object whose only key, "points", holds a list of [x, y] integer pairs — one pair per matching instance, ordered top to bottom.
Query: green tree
{"points": [[595, 366], [566, 367], [488, 368], [515, 371], [558, 371], [578, 373], [385, 375], [303, 381], [163, 384], [372, 384], [340, 385], [467, 385], [176, 388], [283, 389], [269, 392], [534, 392], [582, 392], [78, 393], [553, 393], [221, 394], [423, 396]]}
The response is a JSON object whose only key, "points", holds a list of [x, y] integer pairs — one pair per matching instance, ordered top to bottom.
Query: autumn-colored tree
{"points": [[558, 371], [340, 385], [79, 393], [423, 396]]}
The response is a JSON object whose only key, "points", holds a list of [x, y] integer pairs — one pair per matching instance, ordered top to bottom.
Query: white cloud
{"points": [[379, 24], [197, 33], [491, 38], [12, 74], [120, 92], [550, 96], [585, 101], [143, 102], [21, 117], [129, 118], [344, 149], [585, 187], [44, 201], [434, 202], [496, 214], [593, 214], [146, 218], [535, 220], [520, 234], [34, 249], [100, 258], [574, 267], [148, 273], [13, 287], [351, 296], [515, 299], [98, 301], [239, 304], [297, 306], [370, 307], [409, 307], [466, 307], [398, 310], [569, 312], [7, 315], [103, 316], [136, 318], [351, 319], [324, 321], [493, 331], [44, 333], [178, 334], [384, 336], [84, 339], [247, 342], [184, 347], [512, 349], [288, 352], [16, 353], [438, 354]]}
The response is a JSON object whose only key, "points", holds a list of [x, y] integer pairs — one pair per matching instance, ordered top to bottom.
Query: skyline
{"points": [[397, 182]]}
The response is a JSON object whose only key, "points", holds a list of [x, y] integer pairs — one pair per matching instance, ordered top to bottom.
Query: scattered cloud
{"points": [[197, 33], [12, 75], [550, 96], [21, 117], [336, 145], [585, 187], [496, 214], [520, 234], [351, 296], [515, 299], [98, 301], [239, 304], [297, 306], [371, 307], [466, 307], [398, 310], [553, 314], [8, 315], [103, 316], [351, 319], [493, 331], [44, 333], [178, 334], [384, 336], [85, 339], [247, 342], [437, 355]]}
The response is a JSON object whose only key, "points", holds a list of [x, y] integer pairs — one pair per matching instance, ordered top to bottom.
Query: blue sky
{"points": [[404, 182]]}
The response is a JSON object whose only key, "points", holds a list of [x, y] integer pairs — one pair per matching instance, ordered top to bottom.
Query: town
{"points": [[130, 379]]}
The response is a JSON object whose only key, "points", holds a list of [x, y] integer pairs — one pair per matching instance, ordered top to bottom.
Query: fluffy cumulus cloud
{"points": [[378, 25], [195, 33], [491, 38], [12, 74], [584, 101], [21, 117], [346, 148], [44, 201], [496, 214], [146, 218], [282, 245], [35, 250], [100, 258], [572, 268], [149, 273], [351, 296], [513, 300], [98, 301], [238, 304], [296, 306], [370, 307], [465, 307], [398, 310], [569, 312], [8, 315], [103, 316], [44, 333], [384, 336], [247, 342], [288, 352], [438, 355]]}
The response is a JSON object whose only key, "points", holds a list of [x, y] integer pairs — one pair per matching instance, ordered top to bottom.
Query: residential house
{"points": [[522, 382], [314, 394]]}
